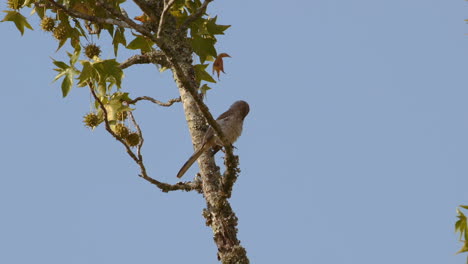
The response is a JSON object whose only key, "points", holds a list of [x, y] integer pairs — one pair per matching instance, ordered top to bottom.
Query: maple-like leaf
{"points": [[218, 65]]}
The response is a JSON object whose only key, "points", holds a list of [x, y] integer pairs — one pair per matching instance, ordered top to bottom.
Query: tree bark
{"points": [[176, 47], [218, 214]]}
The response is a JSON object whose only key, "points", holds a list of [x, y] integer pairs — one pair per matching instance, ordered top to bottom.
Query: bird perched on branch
{"points": [[230, 123]]}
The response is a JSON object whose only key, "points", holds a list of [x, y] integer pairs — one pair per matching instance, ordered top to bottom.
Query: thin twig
{"points": [[74, 13], [163, 15], [194, 16], [147, 98], [107, 124], [140, 144], [180, 186], [165, 187]]}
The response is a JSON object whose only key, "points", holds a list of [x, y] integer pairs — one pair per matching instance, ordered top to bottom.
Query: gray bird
{"points": [[230, 123]]}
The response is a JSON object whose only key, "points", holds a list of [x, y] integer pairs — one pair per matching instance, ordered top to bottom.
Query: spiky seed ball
{"points": [[15, 4], [47, 24], [60, 32], [92, 50], [121, 116], [91, 120], [121, 130], [133, 139]]}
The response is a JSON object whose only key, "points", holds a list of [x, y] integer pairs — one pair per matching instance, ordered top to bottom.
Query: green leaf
{"points": [[28, 3], [16, 4], [193, 5], [40, 11], [178, 11], [19, 20], [198, 27], [109, 28], [80, 29], [214, 29], [69, 33], [75, 38], [119, 38], [61, 43], [140, 43], [203, 47], [74, 56], [62, 65], [109, 71], [88, 73], [201, 74], [60, 75], [67, 82], [204, 88], [102, 90], [121, 96], [115, 105], [464, 206], [461, 225], [464, 248]]}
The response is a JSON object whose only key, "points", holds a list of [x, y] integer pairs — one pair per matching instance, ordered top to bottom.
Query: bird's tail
{"points": [[192, 160]]}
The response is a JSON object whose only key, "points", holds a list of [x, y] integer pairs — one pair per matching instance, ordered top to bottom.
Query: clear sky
{"points": [[355, 149]]}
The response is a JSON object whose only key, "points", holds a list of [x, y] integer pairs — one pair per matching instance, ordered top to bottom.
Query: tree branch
{"points": [[74, 13], [163, 14], [123, 18], [155, 57], [169, 103], [140, 144], [231, 161], [231, 169], [165, 187]]}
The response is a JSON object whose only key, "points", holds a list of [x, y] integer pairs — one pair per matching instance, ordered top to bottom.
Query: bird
{"points": [[230, 122]]}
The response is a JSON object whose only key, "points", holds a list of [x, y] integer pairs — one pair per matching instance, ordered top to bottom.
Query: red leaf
{"points": [[143, 18], [218, 65]]}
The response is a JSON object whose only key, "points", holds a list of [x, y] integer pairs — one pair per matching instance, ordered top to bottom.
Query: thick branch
{"points": [[95, 19], [154, 57], [231, 168], [219, 214]]}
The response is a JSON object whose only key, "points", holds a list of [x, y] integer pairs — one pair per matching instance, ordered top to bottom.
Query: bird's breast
{"points": [[232, 128]]}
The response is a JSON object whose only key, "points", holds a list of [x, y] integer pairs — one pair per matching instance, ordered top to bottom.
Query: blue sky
{"points": [[354, 151]]}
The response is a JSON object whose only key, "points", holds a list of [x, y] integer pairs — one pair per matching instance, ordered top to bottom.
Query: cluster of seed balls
{"points": [[12, 4], [61, 32], [92, 120]]}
